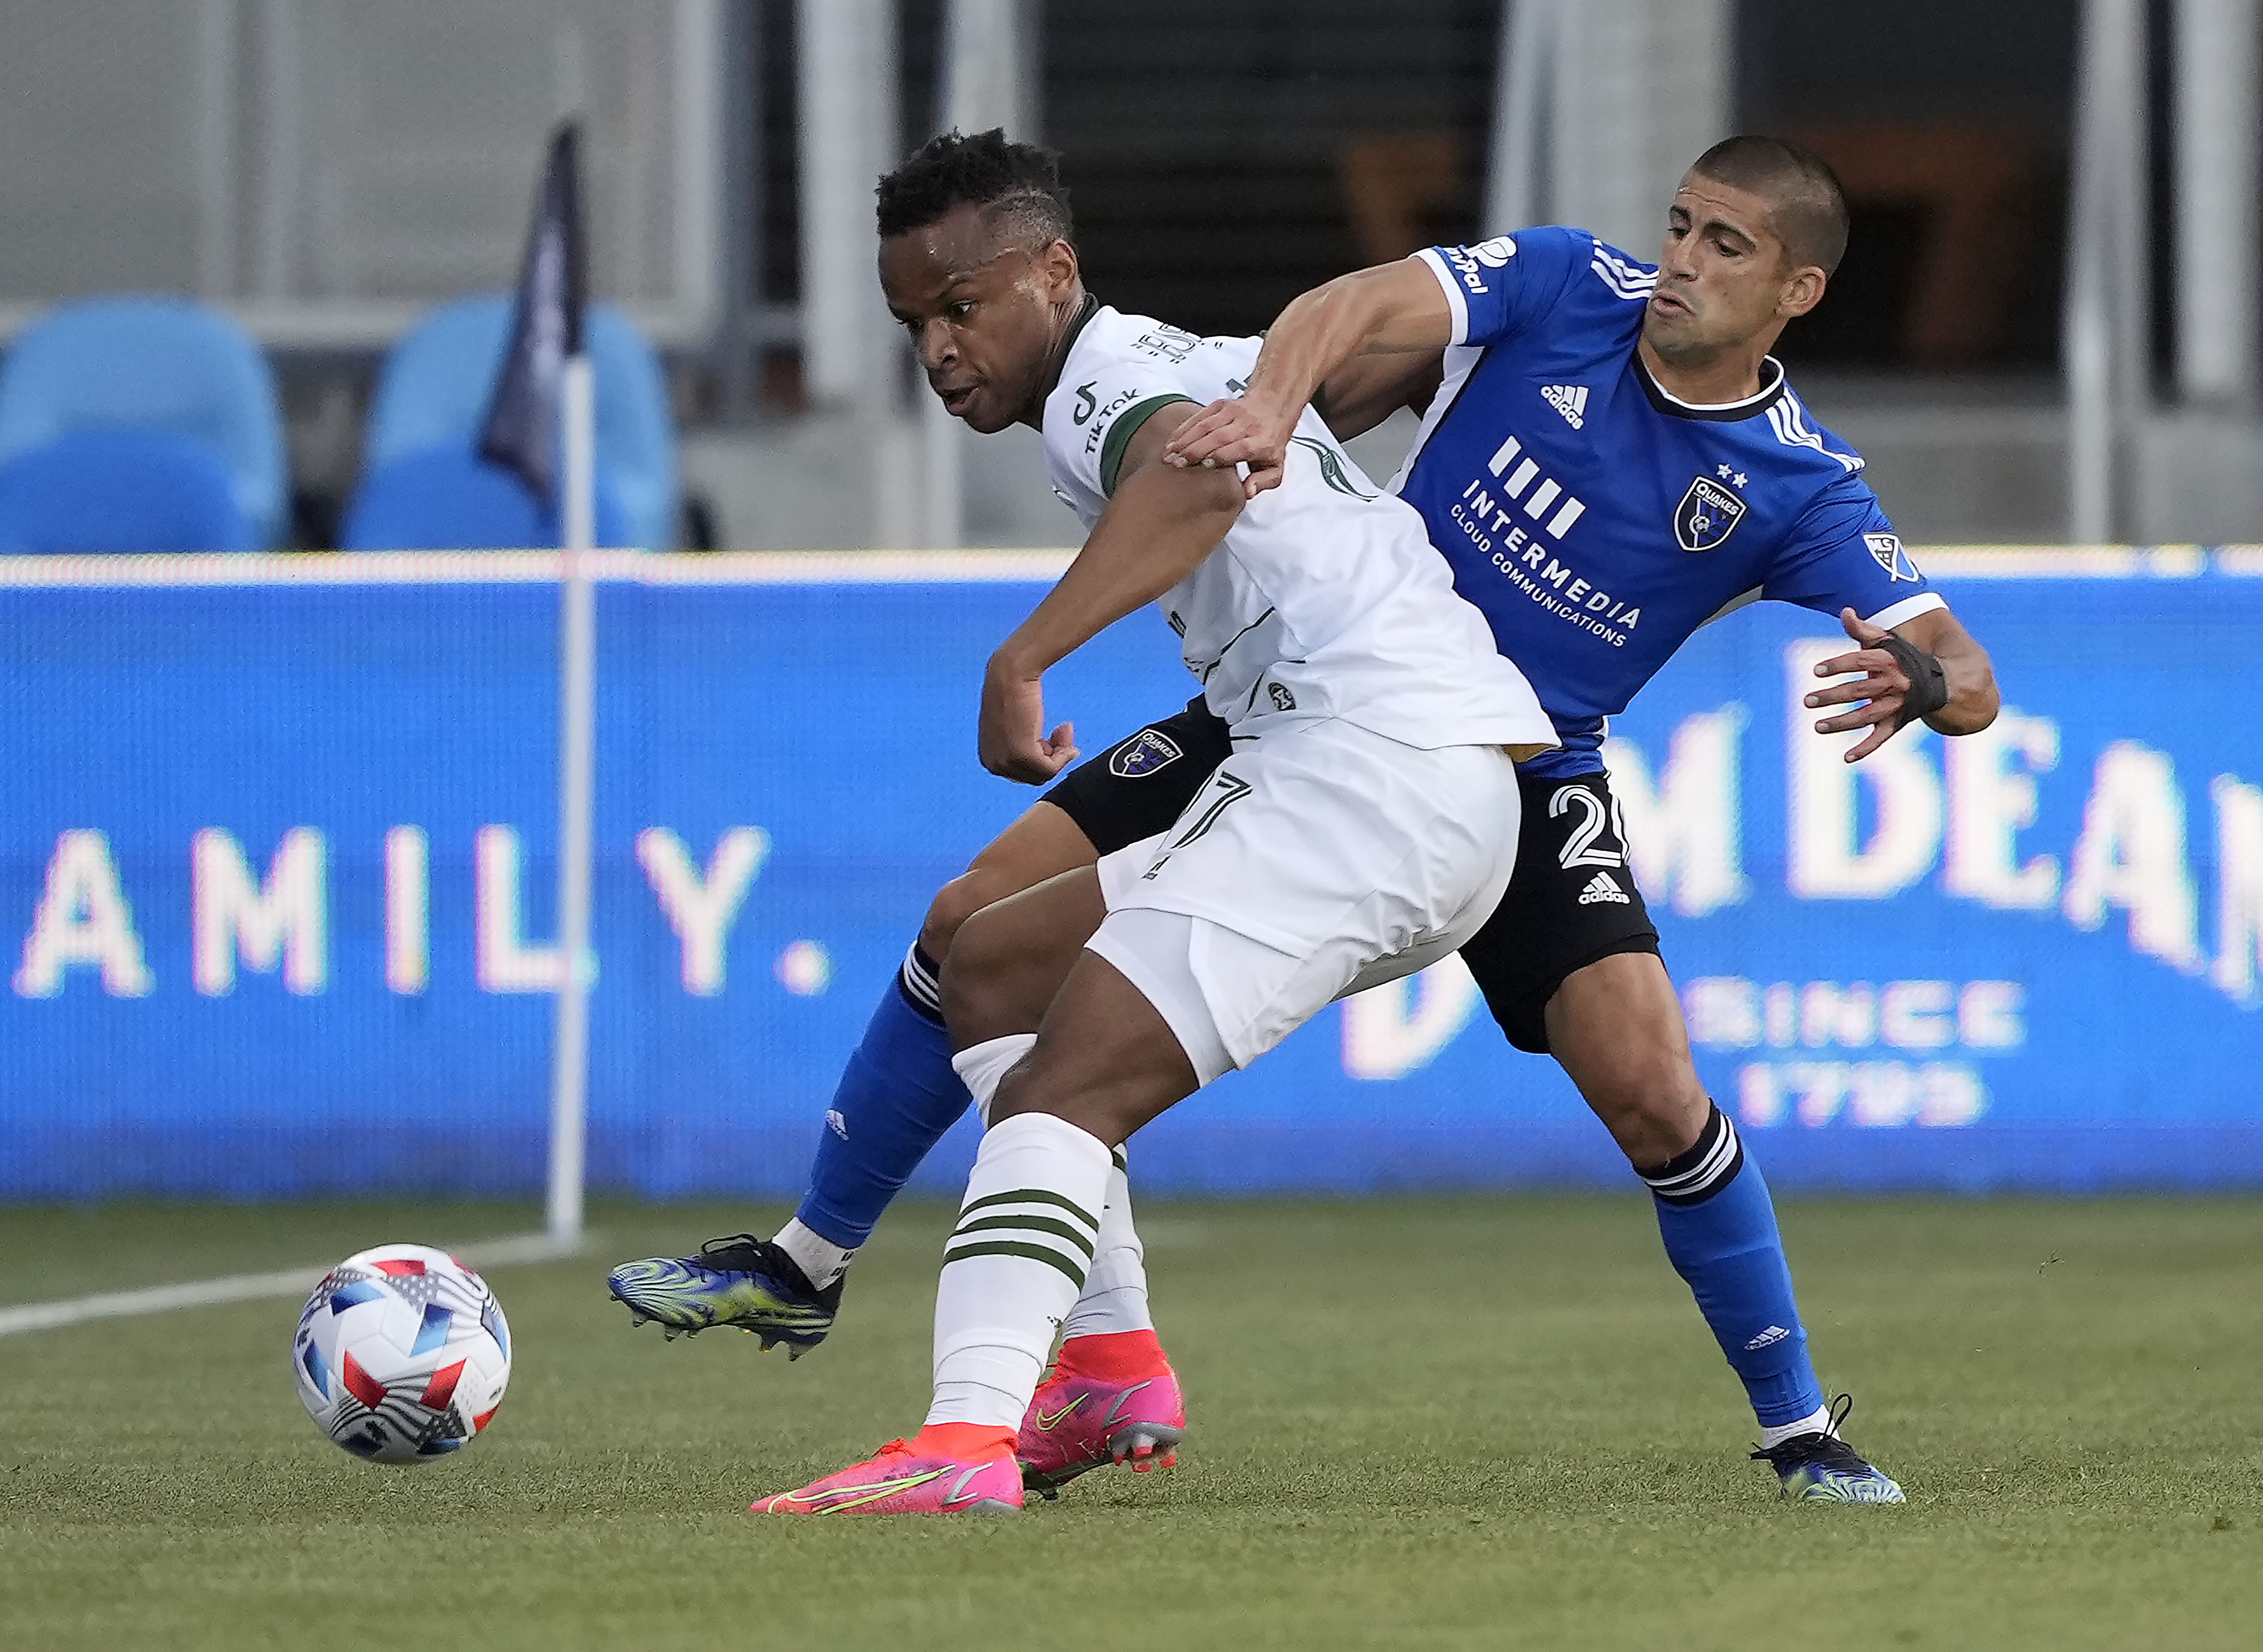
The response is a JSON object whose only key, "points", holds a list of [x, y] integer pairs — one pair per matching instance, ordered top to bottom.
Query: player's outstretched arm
{"points": [[1393, 308], [1162, 521], [1927, 667]]}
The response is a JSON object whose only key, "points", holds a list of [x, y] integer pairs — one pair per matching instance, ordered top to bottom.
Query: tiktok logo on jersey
{"points": [[1105, 417], [1709, 513]]}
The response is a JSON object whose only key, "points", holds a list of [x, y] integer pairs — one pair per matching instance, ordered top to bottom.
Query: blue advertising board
{"points": [[276, 880]]}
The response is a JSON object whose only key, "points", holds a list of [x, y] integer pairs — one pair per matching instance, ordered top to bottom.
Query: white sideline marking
{"points": [[244, 1287]]}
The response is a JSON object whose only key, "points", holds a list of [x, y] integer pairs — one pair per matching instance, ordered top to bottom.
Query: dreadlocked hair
{"points": [[1014, 183]]}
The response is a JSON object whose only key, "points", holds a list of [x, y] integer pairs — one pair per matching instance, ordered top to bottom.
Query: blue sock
{"points": [[897, 1097], [1719, 1227]]}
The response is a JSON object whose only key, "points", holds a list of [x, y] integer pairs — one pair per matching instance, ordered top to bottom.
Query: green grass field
{"points": [[1465, 1422]]}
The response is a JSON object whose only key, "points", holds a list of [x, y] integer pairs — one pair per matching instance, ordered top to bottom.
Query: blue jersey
{"points": [[1595, 520]]}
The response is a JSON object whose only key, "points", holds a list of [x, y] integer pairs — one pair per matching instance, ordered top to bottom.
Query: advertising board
{"points": [[277, 877]]}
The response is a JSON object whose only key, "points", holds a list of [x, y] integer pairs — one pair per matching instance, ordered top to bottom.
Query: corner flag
{"points": [[543, 420], [521, 432]]}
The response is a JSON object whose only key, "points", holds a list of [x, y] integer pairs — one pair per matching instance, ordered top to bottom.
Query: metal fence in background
{"points": [[326, 169]]}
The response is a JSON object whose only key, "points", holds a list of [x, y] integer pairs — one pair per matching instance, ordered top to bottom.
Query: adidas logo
{"points": [[1571, 400], [1601, 887], [834, 1123], [1772, 1335]]}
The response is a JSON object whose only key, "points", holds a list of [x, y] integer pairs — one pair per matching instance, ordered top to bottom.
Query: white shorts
{"points": [[1319, 860]]}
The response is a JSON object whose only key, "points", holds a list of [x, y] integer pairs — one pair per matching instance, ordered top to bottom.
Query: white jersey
{"points": [[1325, 598]]}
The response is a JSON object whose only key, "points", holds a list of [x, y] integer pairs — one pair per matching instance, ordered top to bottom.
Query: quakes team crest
{"points": [[1708, 513], [1886, 551], [1145, 753]]}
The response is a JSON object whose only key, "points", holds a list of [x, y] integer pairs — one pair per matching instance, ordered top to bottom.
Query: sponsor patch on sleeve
{"points": [[1471, 263], [1886, 551]]}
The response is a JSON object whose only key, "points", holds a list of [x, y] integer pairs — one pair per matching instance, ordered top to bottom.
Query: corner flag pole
{"points": [[542, 425], [577, 672]]}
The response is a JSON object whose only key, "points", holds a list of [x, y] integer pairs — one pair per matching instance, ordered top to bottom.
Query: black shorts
{"points": [[1140, 785], [1571, 901]]}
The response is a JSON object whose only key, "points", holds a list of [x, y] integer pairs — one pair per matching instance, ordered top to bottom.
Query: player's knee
{"points": [[957, 901], [978, 974], [1651, 1102]]}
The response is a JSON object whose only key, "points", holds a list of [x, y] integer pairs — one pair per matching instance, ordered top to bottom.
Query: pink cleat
{"points": [[1110, 1398], [926, 1475]]}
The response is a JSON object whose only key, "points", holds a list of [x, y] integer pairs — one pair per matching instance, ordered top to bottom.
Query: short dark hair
{"points": [[1016, 183], [1807, 207]]}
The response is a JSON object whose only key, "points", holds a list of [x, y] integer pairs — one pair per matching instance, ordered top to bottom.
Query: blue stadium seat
{"points": [[154, 365], [437, 383], [119, 490], [446, 498]]}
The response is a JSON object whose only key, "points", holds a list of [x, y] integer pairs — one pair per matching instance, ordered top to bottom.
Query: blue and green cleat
{"points": [[742, 1281], [1821, 1468]]}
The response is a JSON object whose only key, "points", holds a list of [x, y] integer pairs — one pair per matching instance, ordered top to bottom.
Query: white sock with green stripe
{"points": [[1015, 1266], [1116, 1287], [1115, 1295]]}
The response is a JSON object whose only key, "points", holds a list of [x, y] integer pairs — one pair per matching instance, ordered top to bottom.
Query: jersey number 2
{"points": [[1579, 845]]}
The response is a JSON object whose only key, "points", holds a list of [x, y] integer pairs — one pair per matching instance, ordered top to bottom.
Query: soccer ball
{"points": [[402, 1355]]}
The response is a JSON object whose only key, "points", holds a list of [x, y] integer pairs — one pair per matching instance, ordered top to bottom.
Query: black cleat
{"points": [[742, 1281], [1821, 1468]]}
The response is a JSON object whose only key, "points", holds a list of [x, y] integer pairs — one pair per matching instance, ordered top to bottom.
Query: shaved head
{"points": [[1807, 209]]}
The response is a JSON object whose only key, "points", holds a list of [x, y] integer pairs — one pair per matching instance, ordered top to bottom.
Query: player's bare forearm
{"points": [[1392, 309], [1162, 523], [1159, 526], [1973, 700]]}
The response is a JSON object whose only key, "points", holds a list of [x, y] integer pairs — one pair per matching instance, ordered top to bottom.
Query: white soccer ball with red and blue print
{"points": [[402, 1355]]}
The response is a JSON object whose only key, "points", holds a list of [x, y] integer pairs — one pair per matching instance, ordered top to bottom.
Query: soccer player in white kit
{"points": [[1364, 826]]}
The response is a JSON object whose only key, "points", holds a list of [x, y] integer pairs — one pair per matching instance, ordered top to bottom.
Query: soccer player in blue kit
{"points": [[1611, 459]]}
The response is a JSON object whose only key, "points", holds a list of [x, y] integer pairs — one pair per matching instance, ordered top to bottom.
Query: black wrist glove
{"points": [[1928, 682]]}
